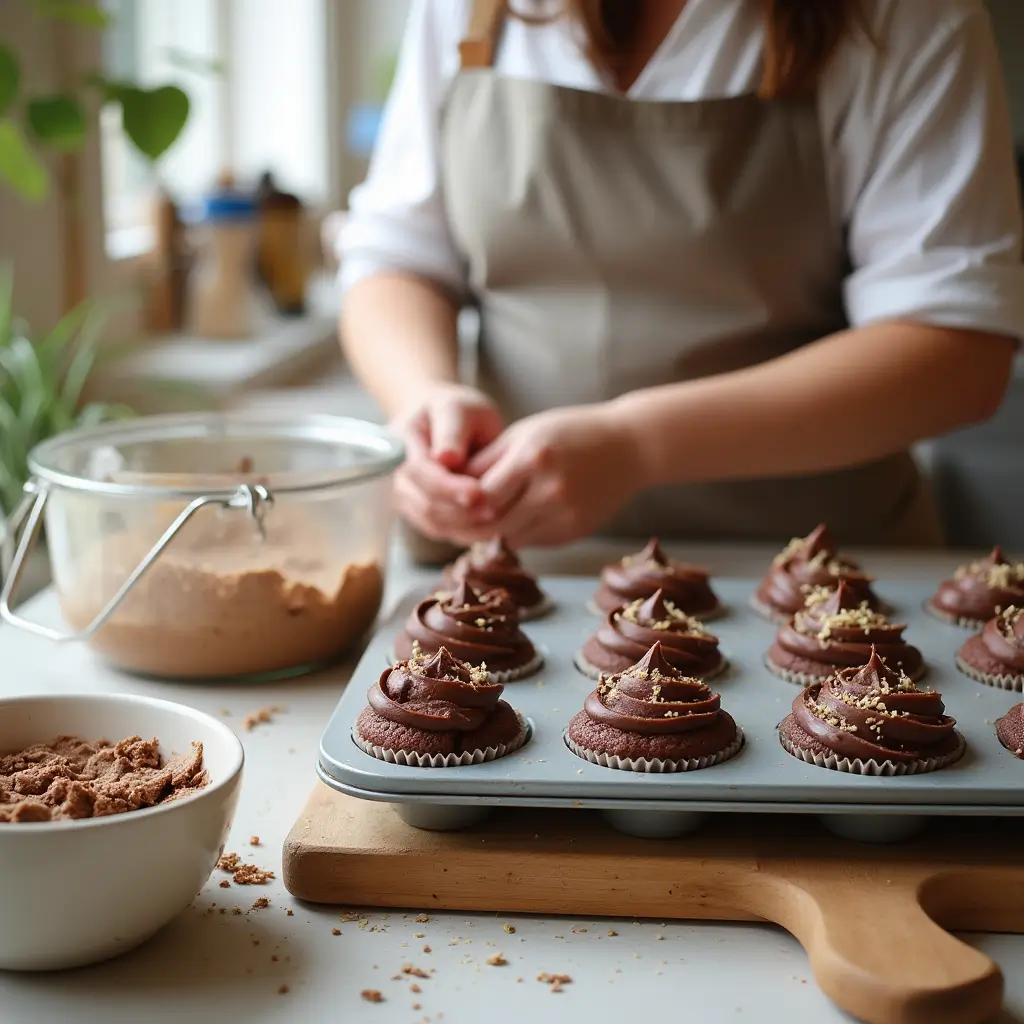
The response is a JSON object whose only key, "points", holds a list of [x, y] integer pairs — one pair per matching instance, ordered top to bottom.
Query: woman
{"points": [[732, 259]]}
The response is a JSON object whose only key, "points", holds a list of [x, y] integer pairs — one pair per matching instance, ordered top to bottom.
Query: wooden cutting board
{"points": [[873, 919]]}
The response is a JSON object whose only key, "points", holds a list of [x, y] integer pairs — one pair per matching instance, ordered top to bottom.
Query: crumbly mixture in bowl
{"points": [[73, 778]]}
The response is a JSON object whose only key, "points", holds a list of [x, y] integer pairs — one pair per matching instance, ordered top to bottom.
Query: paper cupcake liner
{"points": [[538, 611], [718, 612], [767, 612], [952, 620], [593, 672], [508, 676], [805, 679], [1003, 682], [411, 759], [655, 765], [857, 766]]}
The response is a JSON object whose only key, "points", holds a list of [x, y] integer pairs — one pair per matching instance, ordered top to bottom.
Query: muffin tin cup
{"points": [[538, 611], [767, 612], [952, 620], [593, 672], [1002, 682], [410, 759], [655, 765], [886, 769]]}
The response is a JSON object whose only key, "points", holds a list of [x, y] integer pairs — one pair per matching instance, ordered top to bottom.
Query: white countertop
{"points": [[211, 967]]}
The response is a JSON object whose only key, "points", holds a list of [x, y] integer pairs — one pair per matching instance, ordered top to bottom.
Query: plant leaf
{"points": [[87, 15], [194, 62], [10, 79], [154, 118], [58, 121], [20, 166], [52, 346], [20, 362], [103, 412]]}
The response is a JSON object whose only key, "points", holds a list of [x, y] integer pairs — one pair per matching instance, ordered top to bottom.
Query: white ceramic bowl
{"points": [[77, 892]]}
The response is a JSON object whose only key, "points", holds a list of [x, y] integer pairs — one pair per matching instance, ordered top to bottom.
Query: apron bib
{"points": [[614, 244]]}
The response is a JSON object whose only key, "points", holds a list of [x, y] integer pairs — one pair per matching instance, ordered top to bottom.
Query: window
{"points": [[256, 75]]}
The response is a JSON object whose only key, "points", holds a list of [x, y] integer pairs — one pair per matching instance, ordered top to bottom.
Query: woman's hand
{"points": [[558, 476], [433, 491]]}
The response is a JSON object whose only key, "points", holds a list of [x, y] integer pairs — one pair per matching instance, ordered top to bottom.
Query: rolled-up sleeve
{"points": [[396, 217], [935, 229]]}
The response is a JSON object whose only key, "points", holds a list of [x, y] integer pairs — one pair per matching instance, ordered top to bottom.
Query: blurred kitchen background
{"points": [[284, 100]]}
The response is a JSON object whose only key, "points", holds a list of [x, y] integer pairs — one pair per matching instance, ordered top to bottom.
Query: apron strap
{"points": [[477, 50]]}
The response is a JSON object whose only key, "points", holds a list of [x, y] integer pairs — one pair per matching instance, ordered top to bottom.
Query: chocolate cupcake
{"points": [[806, 563], [493, 565], [636, 577], [979, 591], [482, 631], [836, 631], [628, 633], [995, 656], [432, 711], [653, 718], [871, 721], [1010, 730]]}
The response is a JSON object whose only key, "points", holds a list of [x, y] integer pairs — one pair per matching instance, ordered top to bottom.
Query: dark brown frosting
{"points": [[808, 562], [492, 565], [638, 576], [982, 589], [836, 628], [482, 630], [630, 632], [1003, 637], [435, 693], [653, 698], [874, 714], [1010, 730]]}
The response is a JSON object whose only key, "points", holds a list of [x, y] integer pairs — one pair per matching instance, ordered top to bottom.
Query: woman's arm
{"points": [[399, 333], [846, 399]]}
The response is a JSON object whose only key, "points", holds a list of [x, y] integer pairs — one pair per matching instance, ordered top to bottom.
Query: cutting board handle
{"points": [[878, 955]]}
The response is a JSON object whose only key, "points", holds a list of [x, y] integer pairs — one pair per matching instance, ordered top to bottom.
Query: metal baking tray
{"points": [[761, 778]]}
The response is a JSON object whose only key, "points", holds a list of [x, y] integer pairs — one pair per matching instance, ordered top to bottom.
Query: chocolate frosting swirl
{"points": [[808, 562], [493, 565], [638, 576], [982, 589], [837, 628], [481, 630], [630, 632], [1003, 638], [435, 693], [654, 699], [874, 714], [1010, 730]]}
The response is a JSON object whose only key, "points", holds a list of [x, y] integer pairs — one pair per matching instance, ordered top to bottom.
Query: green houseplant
{"points": [[152, 118], [43, 377], [42, 381]]}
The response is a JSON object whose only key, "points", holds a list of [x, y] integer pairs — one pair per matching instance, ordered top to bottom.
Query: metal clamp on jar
{"points": [[210, 546]]}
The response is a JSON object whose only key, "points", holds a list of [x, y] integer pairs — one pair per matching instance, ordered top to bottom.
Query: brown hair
{"points": [[800, 37]]}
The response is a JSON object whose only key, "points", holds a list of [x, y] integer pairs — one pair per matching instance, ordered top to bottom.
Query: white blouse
{"points": [[917, 134]]}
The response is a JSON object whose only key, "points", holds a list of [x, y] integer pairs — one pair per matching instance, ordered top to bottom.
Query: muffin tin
{"points": [[762, 777]]}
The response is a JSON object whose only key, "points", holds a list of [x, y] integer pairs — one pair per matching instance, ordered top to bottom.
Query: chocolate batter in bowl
{"points": [[261, 540]]}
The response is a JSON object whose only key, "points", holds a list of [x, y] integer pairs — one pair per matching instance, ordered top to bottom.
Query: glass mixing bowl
{"points": [[211, 546]]}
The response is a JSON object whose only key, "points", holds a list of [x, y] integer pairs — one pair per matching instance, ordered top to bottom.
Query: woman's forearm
{"points": [[400, 335], [846, 399]]}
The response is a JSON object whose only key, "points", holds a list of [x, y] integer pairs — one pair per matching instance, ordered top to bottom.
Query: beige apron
{"points": [[614, 244]]}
